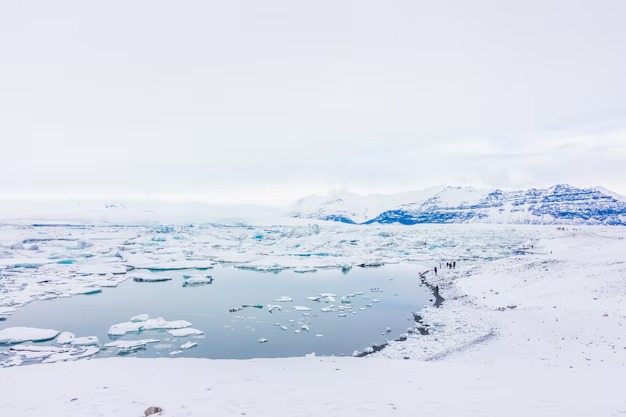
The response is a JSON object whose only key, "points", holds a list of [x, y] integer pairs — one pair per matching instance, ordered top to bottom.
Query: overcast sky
{"points": [[268, 101]]}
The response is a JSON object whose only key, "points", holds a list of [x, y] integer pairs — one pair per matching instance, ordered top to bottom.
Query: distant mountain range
{"points": [[561, 204]]}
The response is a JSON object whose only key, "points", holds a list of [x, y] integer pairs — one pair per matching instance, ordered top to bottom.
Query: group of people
{"points": [[449, 265]]}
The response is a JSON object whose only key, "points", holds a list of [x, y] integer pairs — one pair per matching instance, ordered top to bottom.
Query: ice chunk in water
{"points": [[151, 278], [197, 280], [284, 299], [272, 307], [301, 308], [140, 317], [150, 324], [185, 332], [13, 335], [67, 338], [85, 341], [130, 344], [188, 345], [73, 354]]}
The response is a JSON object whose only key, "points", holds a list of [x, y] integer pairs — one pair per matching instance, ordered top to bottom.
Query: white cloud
{"points": [[269, 101]]}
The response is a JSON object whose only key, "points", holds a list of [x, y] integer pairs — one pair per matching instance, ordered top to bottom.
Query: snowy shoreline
{"points": [[525, 335]]}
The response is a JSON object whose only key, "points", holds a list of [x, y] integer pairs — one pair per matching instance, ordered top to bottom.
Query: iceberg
{"points": [[284, 299], [301, 308]]}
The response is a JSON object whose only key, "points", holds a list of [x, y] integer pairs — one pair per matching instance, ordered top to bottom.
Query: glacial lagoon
{"points": [[371, 306]]}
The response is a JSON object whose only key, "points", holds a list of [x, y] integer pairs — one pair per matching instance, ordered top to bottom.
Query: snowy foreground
{"points": [[542, 334]]}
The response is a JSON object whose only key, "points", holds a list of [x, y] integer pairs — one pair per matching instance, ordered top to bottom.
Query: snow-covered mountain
{"points": [[561, 204]]}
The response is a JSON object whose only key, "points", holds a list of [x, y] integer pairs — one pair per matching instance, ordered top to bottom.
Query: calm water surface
{"points": [[235, 335]]}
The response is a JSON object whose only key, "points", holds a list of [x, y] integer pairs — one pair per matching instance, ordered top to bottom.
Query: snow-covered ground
{"points": [[542, 334]]}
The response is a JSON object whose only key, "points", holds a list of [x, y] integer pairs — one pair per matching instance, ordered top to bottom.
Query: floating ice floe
{"points": [[142, 262], [371, 264], [262, 267], [102, 269], [304, 270], [150, 278], [190, 280], [90, 291], [327, 297], [284, 299], [272, 307], [301, 308], [140, 317], [121, 329], [188, 331], [13, 335], [67, 338], [262, 340], [188, 345], [128, 346], [77, 352], [21, 354]]}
